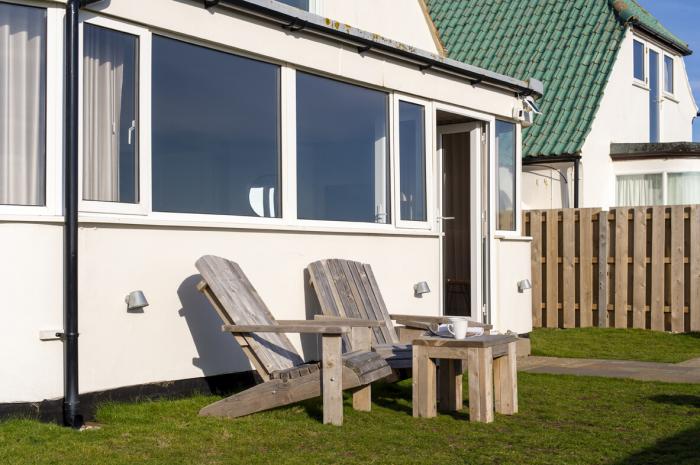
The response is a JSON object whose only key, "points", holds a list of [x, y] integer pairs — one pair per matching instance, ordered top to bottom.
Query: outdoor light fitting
{"points": [[524, 285], [421, 288], [135, 301]]}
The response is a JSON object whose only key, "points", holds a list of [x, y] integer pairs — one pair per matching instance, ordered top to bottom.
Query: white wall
{"points": [[401, 20], [623, 116], [514, 309]]}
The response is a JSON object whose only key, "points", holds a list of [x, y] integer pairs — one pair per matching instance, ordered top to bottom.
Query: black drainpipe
{"points": [[576, 166], [71, 401]]}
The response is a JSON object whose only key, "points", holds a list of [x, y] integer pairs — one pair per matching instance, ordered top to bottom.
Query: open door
{"points": [[463, 219]]}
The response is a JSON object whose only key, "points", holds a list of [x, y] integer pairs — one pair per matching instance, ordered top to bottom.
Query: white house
{"points": [[617, 97], [251, 129]]}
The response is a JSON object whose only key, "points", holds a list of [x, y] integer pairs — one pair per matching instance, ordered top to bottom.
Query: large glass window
{"points": [[639, 60], [668, 74], [22, 105], [110, 109], [216, 132], [342, 151], [412, 161], [505, 175], [683, 188], [640, 189]]}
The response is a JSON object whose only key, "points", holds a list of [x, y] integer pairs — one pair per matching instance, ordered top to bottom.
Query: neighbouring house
{"points": [[617, 97], [270, 133]]}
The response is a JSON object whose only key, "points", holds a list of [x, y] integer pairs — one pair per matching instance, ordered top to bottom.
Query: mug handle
{"points": [[450, 328]]}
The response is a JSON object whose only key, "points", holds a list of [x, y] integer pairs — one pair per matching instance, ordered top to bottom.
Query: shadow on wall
{"points": [[310, 342], [218, 351]]}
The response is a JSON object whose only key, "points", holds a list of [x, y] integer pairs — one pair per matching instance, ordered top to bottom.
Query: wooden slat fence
{"points": [[624, 268]]}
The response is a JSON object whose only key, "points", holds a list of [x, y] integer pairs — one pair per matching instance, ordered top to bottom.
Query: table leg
{"points": [[505, 378], [480, 384], [450, 385], [424, 399]]}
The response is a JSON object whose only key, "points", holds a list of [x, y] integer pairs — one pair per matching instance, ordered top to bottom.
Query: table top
{"points": [[469, 342]]}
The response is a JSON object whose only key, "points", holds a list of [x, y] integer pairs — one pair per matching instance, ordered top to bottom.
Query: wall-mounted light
{"points": [[524, 285], [420, 288], [135, 301]]}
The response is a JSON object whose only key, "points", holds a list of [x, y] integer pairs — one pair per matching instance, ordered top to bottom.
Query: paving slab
{"points": [[685, 372]]}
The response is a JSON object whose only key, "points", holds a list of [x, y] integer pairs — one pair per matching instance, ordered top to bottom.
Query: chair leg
{"points": [[332, 376], [362, 397]]}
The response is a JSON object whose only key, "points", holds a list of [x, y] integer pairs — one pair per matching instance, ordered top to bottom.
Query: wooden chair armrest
{"points": [[420, 321], [352, 322], [287, 328]]}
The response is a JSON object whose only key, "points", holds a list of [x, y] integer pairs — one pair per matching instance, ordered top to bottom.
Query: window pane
{"points": [[302, 4], [638, 60], [668, 74], [654, 91], [22, 105], [110, 137], [215, 147], [342, 151], [412, 161], [506, 174], [683, 188], [639, 190]]}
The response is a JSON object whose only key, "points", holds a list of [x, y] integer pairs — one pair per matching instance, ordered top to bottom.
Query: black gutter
{"points": [[294, 19], [71, 401]]}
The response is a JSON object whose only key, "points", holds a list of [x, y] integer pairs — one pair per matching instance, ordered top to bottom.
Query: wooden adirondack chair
{"points": [[348, 289], [286, 377]]}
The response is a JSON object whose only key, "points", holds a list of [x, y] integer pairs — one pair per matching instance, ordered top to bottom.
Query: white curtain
{"points": [[103, 78], [22, 105], [683, 188], [639, 190]]}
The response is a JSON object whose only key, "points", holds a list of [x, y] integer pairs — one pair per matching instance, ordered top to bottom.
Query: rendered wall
{"points": [[514, 309]]}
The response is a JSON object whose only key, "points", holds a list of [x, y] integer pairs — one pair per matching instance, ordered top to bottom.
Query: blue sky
{"points": [[682, 18]]}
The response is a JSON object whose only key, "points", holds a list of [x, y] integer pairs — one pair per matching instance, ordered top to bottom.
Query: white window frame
{"points": [[645, 65], [665, 93], [143, 130], [428, 137], [518, 175], [53, 178], [664, 179]]}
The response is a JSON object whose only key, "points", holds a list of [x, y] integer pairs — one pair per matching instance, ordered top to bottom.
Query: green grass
{"points": [[616, 344], [562, 420]]}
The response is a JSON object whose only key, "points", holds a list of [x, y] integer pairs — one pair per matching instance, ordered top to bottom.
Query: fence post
{"points": [[603, 233], [694, 259], [639, 276]]}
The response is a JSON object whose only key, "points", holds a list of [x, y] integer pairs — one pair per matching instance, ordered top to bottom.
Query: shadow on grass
{"points": [[678, 399], [680, 449]]}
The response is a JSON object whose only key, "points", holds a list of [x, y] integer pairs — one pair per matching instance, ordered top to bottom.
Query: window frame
{"points": [[644, 82], [665, 92], [143, 112], [395, 161], [53, 174], [664, 180], [516, 232]]}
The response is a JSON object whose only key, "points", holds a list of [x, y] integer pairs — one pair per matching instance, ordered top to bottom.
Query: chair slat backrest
{"points": [[348, 289], [241, 304]]}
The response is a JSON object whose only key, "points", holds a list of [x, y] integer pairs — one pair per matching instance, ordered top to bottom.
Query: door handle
{"points": [[446, 218]]}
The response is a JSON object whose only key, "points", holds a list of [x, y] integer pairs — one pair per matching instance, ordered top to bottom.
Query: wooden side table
{"points": [[491, 360]]}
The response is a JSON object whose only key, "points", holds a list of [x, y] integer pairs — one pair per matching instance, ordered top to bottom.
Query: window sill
{"points": [[640, 84], [671, 98], [97, 219], [512, 238]]}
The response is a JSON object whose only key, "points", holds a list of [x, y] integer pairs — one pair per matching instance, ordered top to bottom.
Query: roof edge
{"points": [[630, 14], [296, 20], [640, 151]]}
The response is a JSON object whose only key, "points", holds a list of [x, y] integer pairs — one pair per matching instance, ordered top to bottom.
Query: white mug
{"points": [[458, 327]]}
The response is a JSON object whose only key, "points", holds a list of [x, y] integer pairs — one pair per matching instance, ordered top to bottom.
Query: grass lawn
{"points": [[616, 344], [563, 420]]}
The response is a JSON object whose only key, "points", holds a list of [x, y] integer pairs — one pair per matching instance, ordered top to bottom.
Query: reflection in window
{"points": [[301, 4], [639, 60], [668, 74], [22, 105], [110, 142], [215, 149], [342, 151], [412, 161], [506, 175], [683, 188], [640, 190]]}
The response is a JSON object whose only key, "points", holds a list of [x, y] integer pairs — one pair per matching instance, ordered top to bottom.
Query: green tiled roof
{"points": [[630, 11], [570, 46]]}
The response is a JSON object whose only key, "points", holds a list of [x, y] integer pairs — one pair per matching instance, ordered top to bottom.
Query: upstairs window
{"points": [[639, 61], [668, 74], [22, 105], [342, 151]]}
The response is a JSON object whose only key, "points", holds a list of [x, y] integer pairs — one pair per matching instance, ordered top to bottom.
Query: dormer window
{"points": [[639, 61], [668, 74]]}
